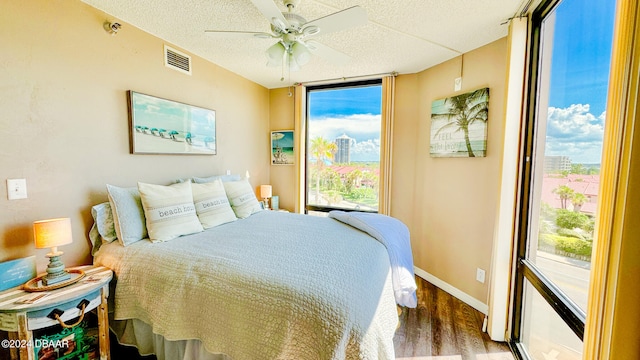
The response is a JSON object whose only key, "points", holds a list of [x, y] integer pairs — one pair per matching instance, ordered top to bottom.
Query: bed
{"points": [[273, 285]]}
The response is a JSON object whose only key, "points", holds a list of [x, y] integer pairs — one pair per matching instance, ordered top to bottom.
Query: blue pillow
{"points": [[224, 178], [128, 215]]}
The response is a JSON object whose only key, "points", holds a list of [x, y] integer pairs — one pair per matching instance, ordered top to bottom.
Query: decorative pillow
{"points": [[224, 178], [242, 198], [212, 205], [169, 210], [128, 216], [103, 221]]}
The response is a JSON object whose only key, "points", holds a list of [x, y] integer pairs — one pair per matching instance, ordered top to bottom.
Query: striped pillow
{"points": [[212, 205], [169, 211]]}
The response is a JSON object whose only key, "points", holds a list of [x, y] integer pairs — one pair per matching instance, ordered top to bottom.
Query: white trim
{"points": [[453, 291]]}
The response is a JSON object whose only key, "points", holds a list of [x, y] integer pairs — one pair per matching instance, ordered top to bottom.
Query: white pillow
{"points": [[242, 198], [212, 205], [169, 210], [128, 216]]}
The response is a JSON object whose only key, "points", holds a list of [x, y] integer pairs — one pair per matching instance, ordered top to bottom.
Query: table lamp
{"points": [[265, 194], [51, 234]]}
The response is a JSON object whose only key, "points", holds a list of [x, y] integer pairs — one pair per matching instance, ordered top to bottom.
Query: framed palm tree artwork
{"points": [[459, 125], [160, 126]]}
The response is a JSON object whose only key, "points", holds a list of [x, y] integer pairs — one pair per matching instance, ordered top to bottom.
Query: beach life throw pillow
{"points": [[242, 198], [212, 205], [169, 211]]}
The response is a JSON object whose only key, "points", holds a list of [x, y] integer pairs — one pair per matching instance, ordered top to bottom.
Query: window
{"points": [[571, 50], [343, 147]]}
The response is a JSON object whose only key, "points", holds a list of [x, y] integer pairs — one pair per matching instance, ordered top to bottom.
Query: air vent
{"points": [[177, 60]]}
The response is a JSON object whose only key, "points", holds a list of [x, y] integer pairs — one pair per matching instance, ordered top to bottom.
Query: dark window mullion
{"points": [[329, 208], [557, 299], [566, 309]]}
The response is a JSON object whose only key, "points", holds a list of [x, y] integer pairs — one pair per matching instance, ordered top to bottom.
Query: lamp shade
{"points": [[300, 53], [275, 54], [265, 191], [52, 233]]}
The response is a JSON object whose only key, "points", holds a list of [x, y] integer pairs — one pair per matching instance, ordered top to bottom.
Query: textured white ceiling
{"points": [[406, 36]]}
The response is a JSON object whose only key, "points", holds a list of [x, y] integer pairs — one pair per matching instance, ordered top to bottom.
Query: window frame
{"points": [[335, 86], [569, 312]]}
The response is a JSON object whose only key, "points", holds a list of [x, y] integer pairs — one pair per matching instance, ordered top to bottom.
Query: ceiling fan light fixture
{"points": [[279, 24], [311, 30], [275, 53], [300, 53], [293, 64]]}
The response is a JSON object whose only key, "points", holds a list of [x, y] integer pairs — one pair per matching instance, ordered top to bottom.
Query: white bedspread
{"points": [[394, 235], [272, 286]]}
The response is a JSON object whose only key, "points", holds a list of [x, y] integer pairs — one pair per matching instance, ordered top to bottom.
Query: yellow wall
{"points": [[64, 125], [625, 340]]}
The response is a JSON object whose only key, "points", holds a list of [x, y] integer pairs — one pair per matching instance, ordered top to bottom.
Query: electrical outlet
{"points": [[16, 189], [480, 275]]}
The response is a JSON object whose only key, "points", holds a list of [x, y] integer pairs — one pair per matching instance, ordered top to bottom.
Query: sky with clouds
{"points": [[579, 79], [577, 91], [354, 112]]}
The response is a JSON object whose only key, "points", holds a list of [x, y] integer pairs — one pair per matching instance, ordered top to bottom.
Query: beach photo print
{"points": [[160, 126]]}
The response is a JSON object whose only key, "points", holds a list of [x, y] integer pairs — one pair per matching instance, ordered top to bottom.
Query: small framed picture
{"points": [[282, 150], [275, 203]]}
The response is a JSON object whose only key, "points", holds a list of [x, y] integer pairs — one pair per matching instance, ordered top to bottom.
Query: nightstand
{"points": [[21, 318]]}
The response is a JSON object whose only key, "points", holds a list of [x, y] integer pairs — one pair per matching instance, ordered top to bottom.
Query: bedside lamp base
{"points": [[55, 270]]}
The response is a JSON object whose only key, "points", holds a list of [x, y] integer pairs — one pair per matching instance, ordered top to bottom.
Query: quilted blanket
{"points": [[394, 235], [272, 286]]}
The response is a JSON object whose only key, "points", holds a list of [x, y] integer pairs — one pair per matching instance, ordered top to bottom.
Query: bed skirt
{"points": [[134, 332]]}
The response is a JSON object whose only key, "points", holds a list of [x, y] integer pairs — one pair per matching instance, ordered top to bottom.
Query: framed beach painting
{"points": [[459, 125], [160, 126], [282, 151]]}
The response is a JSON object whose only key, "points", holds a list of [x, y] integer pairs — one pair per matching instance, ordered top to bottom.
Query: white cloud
{"points": [[359, 127], [362, 129], [575, 132], [369, 147]]}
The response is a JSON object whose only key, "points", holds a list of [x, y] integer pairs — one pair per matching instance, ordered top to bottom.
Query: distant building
{"points": [[343, 155], [556, 164]]}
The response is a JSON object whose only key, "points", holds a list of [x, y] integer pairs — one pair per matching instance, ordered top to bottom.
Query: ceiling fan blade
{"points": [[271, 11], [341, 20], [234, 34], [330, 54]]}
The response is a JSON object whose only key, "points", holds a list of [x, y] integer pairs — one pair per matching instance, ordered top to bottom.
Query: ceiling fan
{"points": [[295, 35]]}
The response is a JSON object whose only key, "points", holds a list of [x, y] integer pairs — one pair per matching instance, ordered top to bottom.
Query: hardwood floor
{"points": [[440, 328], [444, 328]]}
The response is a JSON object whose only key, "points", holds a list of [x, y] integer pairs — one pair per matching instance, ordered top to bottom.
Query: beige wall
{"points": [[281, 117], [64, 126], [449, 204]]}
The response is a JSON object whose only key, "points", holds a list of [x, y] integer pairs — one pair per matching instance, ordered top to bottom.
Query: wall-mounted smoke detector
{"points": [[111, 27], [177, 60]]}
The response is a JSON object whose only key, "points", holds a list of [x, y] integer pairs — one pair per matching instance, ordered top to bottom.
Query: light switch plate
{"points": [[457, 84], [16, 189]]}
